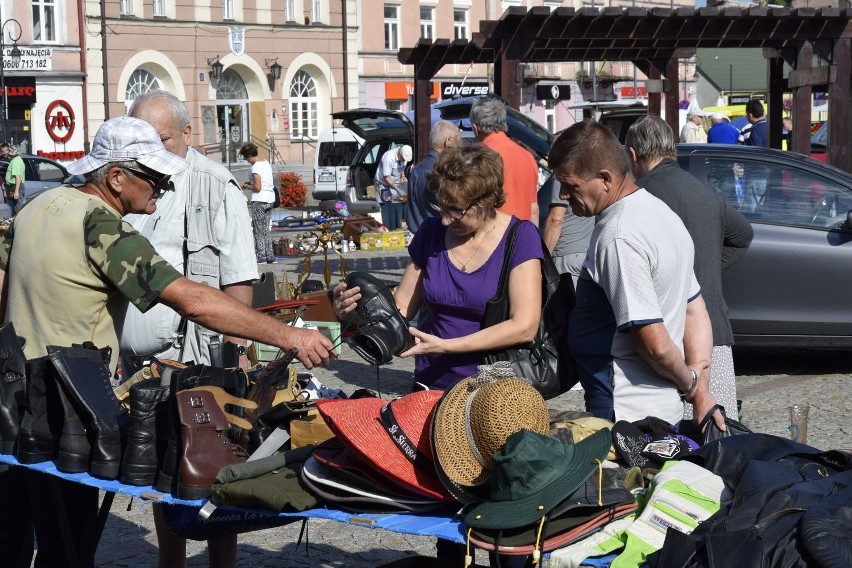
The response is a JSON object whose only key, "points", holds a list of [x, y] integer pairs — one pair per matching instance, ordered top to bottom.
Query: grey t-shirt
{"points": [[576, 231]]}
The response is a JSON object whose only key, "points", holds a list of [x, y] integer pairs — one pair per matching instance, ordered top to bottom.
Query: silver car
{"points": [[40, 174], [791, 288]]}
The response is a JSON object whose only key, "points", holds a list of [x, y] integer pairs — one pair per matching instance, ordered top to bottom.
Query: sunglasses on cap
{"points": [[160, 183]]}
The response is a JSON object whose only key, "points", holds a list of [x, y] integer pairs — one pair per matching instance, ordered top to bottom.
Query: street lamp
{"points": [[15, 57]]}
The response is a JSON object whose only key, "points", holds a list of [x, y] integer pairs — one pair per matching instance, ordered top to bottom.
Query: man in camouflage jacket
{"points": [[68, 266]]}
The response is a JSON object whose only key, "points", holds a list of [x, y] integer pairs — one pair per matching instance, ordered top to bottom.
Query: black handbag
{"points": [[546, 361], [732, 427]]}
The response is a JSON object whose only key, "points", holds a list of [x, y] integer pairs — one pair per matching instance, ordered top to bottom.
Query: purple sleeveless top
{"points": [[455, 300]]}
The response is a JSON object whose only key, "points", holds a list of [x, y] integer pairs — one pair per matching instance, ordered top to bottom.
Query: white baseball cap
{"points": [[125, 139], [406, 153]]}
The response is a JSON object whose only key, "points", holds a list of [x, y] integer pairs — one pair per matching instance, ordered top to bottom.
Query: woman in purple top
{"points": [[455, 264]]}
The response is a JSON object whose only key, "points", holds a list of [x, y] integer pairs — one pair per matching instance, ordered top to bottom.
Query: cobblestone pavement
{"points": [[768, 382]]}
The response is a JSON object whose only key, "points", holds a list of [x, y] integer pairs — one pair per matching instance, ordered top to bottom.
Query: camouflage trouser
{"points": [[261, 215]]}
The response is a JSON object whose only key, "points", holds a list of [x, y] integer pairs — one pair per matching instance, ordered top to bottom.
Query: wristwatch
{"points": [[241, 349]]}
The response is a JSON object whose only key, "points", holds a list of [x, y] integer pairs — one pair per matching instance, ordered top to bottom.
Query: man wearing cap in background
{"points": [[693, 131], [722, 131], [520, 172], [391, 185], [68, 256]]}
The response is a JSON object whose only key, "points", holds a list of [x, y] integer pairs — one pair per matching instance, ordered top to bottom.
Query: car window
{"points": [[334, 154], [372, 154], [47, 172], [768, 192]]}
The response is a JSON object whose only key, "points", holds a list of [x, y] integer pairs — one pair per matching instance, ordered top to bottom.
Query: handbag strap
{"points": [[504, 272], [709, 416]]}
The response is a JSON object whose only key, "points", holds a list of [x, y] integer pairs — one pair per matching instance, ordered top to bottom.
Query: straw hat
{"points": [[472, 422], [391, 437]]}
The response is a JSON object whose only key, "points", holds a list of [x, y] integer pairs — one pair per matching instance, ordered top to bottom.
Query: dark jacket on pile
{"points": [[792, 507]]}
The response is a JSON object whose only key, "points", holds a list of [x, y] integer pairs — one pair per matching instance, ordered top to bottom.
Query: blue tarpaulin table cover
{"points": [[447, 527]]}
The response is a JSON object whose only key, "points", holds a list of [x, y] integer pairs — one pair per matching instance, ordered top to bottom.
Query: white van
{"points": [[336, 149]]}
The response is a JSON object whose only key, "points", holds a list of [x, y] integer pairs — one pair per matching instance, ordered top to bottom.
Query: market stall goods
{"points": [[474, 419], [391, 437]]}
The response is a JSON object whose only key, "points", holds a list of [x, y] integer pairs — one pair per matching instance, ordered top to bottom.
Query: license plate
{"points": [[326, 177]]}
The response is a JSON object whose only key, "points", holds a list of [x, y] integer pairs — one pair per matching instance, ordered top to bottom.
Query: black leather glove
{"points": [[382, 330]]}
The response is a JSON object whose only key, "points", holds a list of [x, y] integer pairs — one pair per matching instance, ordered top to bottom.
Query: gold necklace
{"points": [[464, 264]]}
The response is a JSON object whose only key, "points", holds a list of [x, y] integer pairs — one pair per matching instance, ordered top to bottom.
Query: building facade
{"points": [[86, 60], [249, 70], [46, 103]]}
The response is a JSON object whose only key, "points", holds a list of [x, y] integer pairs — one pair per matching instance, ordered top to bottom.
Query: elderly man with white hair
{"points": [[693, 131], [722, 131]]}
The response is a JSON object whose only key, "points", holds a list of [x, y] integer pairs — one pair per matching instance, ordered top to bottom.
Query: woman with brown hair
{"points": [[456, 260]]}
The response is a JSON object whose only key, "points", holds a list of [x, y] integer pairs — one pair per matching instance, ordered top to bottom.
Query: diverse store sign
{"points": [[32, 59], [450, 89], [59, 121]]}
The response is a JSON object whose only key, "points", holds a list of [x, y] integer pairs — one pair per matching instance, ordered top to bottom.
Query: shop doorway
{"points": [[231, 115], [232, 124]]}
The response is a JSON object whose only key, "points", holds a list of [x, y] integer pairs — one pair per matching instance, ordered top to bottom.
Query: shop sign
{"points": [[32, 59], [450, 89], [21, 90], [403, 90], [553, 92], [629, 93], [59, 121], [62, 156]]}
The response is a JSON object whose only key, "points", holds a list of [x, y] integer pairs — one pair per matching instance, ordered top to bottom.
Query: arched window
{"points": [[141, 81], [231, 87], [303, 106]]}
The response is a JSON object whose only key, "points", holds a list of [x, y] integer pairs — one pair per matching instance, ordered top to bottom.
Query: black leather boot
{"points": [[382, 329], [87, 380], [13, 386], [41, 425], [147, 434], [73, 448], [167, 474]]}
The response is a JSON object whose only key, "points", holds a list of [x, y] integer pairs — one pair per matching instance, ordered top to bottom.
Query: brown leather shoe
{"points": [[204, 443]]}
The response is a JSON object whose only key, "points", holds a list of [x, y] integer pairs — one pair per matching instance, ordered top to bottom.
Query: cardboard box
{"points": [[390, 240]]}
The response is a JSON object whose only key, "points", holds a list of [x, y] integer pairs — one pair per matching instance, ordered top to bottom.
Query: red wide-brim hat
{"points": [[392, 437]]}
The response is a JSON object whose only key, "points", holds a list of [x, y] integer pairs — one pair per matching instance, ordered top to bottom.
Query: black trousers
{"points": [[81, 505], [16, 523]]}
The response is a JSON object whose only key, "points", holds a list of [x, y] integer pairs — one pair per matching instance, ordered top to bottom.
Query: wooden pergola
{"points": [[654, 39]]}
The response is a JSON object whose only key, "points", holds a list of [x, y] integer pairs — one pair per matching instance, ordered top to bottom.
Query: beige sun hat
{"points": [[472, 421]]}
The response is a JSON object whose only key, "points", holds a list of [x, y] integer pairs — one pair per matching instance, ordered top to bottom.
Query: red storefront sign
{"points": [[628, 93], [59, 121]]}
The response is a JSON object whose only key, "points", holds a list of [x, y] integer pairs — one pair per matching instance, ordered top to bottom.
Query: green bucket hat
{"points": [[532, 474]]}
